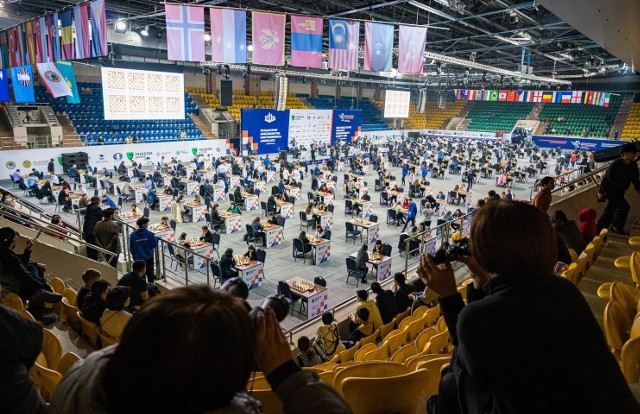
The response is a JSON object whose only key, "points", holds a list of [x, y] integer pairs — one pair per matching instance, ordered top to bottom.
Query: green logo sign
{"points": [[194, 151], [129, 156], [60, 160]]}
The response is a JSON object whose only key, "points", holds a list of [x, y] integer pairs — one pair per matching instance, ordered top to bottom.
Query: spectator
{"points": [[542, 199], [92, 216], [587, 224], [57, 228], [568, 231], [107, 236], [143, 245], [227, 263], [89, 276], [135, 281], [401, 292], [385, 301], [364, 302], [95, 304], [556, 316], [115, 317], [362, 327], [327, 339], [161, 343], [307, 356]]}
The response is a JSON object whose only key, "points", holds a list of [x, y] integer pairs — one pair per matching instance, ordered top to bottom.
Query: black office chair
{"points": [[348, 207], [373, 218], [305, 221], [352, 232], [327, 234], [216, 243], [298, 251], [261, 256], [216, 272], [319, 280], [285, 290]]}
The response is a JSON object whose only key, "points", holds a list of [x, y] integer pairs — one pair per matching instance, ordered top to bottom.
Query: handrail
{"points": [[590, 175], [560, 179], [33, 217]]}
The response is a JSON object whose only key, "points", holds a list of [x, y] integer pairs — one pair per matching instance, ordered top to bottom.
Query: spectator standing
{"points": [[542, 199], [92, 216], [587, 224], [107, 235], [143, 245], [135, 281]]}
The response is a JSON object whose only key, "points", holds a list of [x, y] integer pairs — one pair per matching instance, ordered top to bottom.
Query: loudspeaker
{"points": [[280, 95], [226, 96], [422, 101], [442, 101], [80, 159]]}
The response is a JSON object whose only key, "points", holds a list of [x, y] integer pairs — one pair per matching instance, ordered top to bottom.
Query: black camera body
{"points": [[452, 253], [238, 288]]}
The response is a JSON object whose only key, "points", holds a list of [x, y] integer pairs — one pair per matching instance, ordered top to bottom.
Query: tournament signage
{"points": [[347, 125], [265, 130], [572, 143]]}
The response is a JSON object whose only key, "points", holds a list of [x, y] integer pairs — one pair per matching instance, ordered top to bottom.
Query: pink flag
{"points": [[185, 32], [268, 38], [306, 41], [411, 46]]}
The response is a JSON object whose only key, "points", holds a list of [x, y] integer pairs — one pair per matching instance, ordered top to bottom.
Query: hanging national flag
{"points": [[185, 32], [228, 35], [54, 36], [344, 37], [37, 38], [268, 38], [306, 41], [43, 42], [66, 42], [83, 42], [411, 44], [22, 45], [99, 45], [31, 46], [378, 47], [4, 50], [15, 55], [66, 70], [53, 80], [22, 81], [4, 86], [456, 92], [471, 95], [479, 95], [487, 95], [511, 95], [520, 95], [494, 96], [502, 96], [537, 96], [547, 97], [566, 97], [576, 97], [607, 98]]}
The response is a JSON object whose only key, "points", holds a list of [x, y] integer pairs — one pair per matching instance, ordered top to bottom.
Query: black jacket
{"points": [[618, 178], [92, 215], [226, 264], [16, 277], [386, 303], [532, 346]]}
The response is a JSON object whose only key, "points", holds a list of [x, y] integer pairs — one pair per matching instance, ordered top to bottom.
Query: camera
{"points": [[452, 252], [238, 288]]}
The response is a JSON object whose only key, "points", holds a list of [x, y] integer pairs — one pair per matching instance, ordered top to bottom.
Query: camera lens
{"points": [[278, 304]]}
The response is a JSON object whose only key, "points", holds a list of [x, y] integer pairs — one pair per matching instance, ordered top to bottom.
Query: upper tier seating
{"points": [[371, 116], [497, 116], [88, 119], [579, 119], [632, 125]]}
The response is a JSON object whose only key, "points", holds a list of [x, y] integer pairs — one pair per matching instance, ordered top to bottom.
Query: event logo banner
{"points": [[228, 35], [22, 81], [347, 125], [310, 126], [265, 130], [575, 143]]}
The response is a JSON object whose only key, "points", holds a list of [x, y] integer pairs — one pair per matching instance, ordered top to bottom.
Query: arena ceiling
{"points": [[491, 32]]}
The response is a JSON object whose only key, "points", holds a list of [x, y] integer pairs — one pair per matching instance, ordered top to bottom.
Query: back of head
{"points": [[587, 215], [512, 238], [90, 275], [399, 278], [98, 288], [376, 288], [362, 295], [117, 297], [363, 314], [327, 318], [303, 343], [189, 350]]}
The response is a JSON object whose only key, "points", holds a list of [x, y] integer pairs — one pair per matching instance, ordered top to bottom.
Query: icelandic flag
{"points": [[98, 29], [185, 32], [228, 35], [54, 36], [344, 37], [268, 38], [306, 42], [66, 43], [83, 43], [411, 44], [378, 47], [66, 70], [53, 79], [22, 81], [4, 86]]}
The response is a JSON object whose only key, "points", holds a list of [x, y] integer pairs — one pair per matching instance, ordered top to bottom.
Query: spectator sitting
{"points": [[588, 224], [57, 228], [568, 231], [89, 276], [135, 280], [401, 292], [385, 301], [364, 302], [95, 304], [115, 317], [363, 327], [327, 339], [307, 357]]}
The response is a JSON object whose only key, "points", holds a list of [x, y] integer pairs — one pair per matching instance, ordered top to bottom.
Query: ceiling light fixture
{"points": [[145, 31], [207, 37]]}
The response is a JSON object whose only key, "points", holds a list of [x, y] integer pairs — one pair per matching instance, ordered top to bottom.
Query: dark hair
{"points": [[545, 180], [108, 213], [558, 218], [55, 219], [142, 221], [513, 238], [138, 265], [90, 274], [400, 279], [98, 288], [376, 288], [362, 294], [117, 297], [363, 314], [327, 318], [203, 343], [304, 343]]}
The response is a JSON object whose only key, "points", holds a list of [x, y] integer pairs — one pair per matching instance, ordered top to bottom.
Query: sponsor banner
{"points": [[347, 125], [310, 126], [266, 130], [570, 143], [110, 155], [253, 276], [318, 304]]}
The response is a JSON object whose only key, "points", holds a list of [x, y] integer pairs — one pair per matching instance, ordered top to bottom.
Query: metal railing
{"points": [[565, 180]]}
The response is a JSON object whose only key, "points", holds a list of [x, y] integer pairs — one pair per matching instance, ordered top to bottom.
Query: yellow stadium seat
{"points": [[573, 254], [570, 273], [57, 285], [623, 294], [13, 301], [70, 313], [419, 313], [26, 314], [402, 315], [432, 316], [406, 321], [442, 325], [616, 327], [415, 328], [386, 329], [89, 330], [424, 337], [105, 339], [371, 339], [396, 339], [439, 343], [51, 348], [364, 349], [404, 353], [348, 354], [379, 354], [631, 360], [67, 362], [412, 363], [326, 366], [434, 367], [368, 369], [327, 376], [47, 380], [382, 394]]}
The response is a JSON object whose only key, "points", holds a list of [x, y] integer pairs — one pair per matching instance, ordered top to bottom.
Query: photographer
{"points": [[524, 328], [182, 345]]}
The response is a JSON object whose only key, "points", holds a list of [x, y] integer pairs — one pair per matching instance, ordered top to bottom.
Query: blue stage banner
{"points": [[347, 125], [265, 130], [571, 143]]}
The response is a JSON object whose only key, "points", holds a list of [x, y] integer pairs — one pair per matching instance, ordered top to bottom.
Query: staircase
{"points": [[197, 99], [465, 109], [535, 112], [621, 118], [201, 125], [462, 126], [540, 128], [6, 133], [70, 137]]}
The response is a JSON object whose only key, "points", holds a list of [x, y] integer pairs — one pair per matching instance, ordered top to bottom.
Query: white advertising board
{"points": [[309, 126]]}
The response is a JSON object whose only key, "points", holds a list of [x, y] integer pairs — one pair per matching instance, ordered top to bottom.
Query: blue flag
{"points": [[378, 46], [66, 70], [22, 81], [4, 86]]}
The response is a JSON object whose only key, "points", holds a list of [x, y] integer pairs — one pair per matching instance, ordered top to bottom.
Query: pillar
{"points": [[252, 85]]}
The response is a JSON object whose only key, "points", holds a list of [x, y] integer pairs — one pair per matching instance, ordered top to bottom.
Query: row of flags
{"points": [[186, 29], [65, 35], [57, 77], [564, 97]]}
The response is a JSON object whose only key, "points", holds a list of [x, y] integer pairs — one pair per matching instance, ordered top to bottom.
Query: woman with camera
{"points": [[527, 341]]}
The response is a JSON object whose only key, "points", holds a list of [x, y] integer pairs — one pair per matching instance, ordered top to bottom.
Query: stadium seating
{"points": [[371, 115], [497, 116], [434, 117], [88, 119], [595, 120], [632, 126]]}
